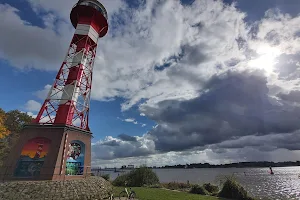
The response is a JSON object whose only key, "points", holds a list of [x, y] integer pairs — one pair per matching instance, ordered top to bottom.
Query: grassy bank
{"points": [[147, 186], [144, 193]]}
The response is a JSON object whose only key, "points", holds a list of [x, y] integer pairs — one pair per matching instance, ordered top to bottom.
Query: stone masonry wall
{"points": [[95, 188]]}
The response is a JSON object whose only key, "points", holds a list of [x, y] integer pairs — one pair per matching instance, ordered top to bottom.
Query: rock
{"points": [[87, 188]]}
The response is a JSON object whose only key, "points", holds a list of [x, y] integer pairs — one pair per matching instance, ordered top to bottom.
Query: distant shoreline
{"points": [[263, 164], [234, 165], [217, 167]]}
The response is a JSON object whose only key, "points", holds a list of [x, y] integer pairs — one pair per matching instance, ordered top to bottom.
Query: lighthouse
{"points": [[69, 97], [62, 122]]}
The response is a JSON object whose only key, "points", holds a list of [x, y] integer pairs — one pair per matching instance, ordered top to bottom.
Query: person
{"points": [[271, 171]]}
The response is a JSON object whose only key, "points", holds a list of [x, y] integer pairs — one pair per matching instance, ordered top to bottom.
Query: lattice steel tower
{"points": [[68, 100]]}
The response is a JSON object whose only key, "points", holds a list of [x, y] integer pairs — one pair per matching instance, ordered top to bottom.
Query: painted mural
{"points": [[32, 157], [75, 158]]}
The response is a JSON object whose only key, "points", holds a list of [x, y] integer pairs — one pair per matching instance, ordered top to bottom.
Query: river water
{"points": [[284, 184]]}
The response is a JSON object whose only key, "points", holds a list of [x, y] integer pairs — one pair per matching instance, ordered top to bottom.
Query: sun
{"points": [[266, 59]]}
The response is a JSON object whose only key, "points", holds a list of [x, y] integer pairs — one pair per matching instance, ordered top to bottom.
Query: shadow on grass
{"points": [[144, 193]]}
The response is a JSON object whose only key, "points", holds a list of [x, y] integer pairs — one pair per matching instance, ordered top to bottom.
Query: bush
{"points": [[106, 176], [142, 176], [137, 178], [120, 180], [176, 186], [211, 188], [197, 189], [233, 190]]}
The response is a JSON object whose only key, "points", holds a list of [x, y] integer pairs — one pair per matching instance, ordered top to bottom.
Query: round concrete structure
{"points": [[88, 188]]}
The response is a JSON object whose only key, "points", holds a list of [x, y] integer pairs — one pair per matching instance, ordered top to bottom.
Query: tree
{"points": [[15, 120], [11, 124], [4, 132]]}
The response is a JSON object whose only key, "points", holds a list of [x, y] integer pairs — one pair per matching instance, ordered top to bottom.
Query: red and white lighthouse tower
{"points": [[69, 98], [63, 118]]}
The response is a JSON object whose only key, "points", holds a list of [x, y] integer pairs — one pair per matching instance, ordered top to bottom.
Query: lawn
{"points": [[157, 194]]}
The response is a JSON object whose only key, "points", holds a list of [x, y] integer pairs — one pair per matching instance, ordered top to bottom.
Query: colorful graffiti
{"points": [[32, 157], [75, 158]]}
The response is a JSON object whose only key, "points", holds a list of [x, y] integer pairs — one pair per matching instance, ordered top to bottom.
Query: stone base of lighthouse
{"points": [[49, 152]]}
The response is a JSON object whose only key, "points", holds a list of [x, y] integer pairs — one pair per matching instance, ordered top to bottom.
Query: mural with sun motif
{"points": [[32, 157]]}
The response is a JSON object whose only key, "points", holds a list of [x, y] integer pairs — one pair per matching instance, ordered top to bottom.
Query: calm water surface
{"points": [[284, 184]]}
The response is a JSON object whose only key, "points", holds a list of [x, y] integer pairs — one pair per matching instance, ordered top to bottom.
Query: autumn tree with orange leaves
{"points": [[11, 124], [4, 132]]}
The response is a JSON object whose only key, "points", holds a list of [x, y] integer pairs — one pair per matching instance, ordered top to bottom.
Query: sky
{"points": [[174, 81]]}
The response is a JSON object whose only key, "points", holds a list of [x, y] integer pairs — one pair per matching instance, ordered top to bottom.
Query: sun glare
{"points": [[266, 59]]}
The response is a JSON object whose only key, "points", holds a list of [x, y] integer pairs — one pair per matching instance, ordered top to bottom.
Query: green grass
{"points": [[157, 193]]}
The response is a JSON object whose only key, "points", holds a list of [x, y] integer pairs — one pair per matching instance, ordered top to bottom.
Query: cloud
{"points": [[279, 30], [44, 48], [136, 79], [42, 94], [292, 96], [235, 105], [32, 106], [142, 114], [235, 114], [129, 120], [143, 125], [125, 137], [271, 142], [122, 147]]}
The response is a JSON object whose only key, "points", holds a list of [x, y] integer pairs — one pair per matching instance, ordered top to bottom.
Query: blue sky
{"points": [[169, 70]]}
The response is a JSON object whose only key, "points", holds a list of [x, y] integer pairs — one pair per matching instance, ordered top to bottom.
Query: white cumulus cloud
{"points": [[42, 94], [33, 106]]}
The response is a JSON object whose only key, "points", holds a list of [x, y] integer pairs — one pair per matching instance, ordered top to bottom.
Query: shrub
{"points": [[106, 176], [142, 176], [137, 178], [120, 180], [176, 186], [211, 188], [197, 189], [233, 190]]}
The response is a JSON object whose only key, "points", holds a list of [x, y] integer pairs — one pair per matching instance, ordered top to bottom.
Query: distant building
{"points": [[130, 166]]}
